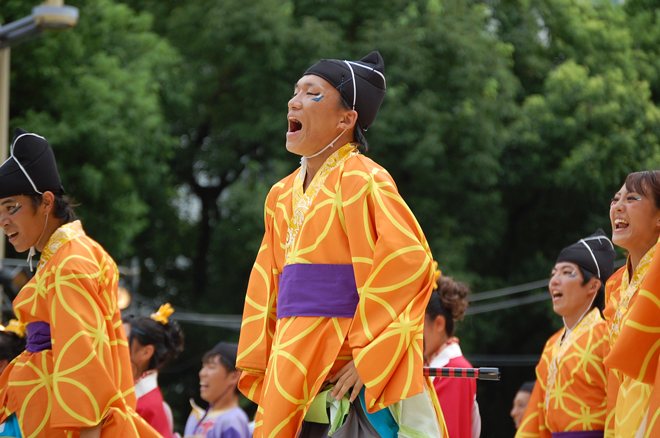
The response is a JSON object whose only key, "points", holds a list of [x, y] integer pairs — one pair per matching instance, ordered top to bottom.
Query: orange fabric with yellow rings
{"points": [[351, 214], [633, 315], [86, 377], [570, 393]]}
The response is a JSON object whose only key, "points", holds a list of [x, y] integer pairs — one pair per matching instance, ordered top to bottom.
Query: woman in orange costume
{"points": [[338, 291], [633, 311], [74, 379], [569, 399]]}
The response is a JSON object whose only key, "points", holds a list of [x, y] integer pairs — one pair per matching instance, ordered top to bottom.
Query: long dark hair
{"points": [[448, 300], [167, 339]]}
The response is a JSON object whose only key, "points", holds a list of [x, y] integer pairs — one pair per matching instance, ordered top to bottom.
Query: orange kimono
{"points": [[343, 273], [633, 316], [78, 373], [570, 395]]}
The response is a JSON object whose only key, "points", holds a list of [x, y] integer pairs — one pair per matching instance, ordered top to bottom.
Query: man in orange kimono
{"points": [[338, 291], [74, 379], [570, 395]]}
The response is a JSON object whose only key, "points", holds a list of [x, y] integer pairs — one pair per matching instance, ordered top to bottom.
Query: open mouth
{"points": [[294, 125], [620, 224], [12, 236], [556, 295]]}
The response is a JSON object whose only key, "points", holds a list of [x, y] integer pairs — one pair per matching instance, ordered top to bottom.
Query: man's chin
{"points": [[294, 148], [19, 248]]}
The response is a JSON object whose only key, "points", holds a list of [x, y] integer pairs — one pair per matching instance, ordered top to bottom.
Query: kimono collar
{"points": [[62, 235], [145, 383]]}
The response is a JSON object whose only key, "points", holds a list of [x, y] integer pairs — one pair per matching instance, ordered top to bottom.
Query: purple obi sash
{"points": [[317, 290], [38, 337], [579, 434]]}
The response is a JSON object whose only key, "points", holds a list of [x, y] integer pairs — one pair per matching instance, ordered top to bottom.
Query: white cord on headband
{"points": [[348, 63], [19, 163], [583, 241], [33, 250]]}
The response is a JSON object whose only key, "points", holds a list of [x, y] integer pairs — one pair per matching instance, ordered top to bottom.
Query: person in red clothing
{"points": [[153, 342], [458, 397]]}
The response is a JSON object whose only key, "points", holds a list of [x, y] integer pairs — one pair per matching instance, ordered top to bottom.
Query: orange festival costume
{"points": [[344, 273], [633, 316], [76, 371], [570, 394]]}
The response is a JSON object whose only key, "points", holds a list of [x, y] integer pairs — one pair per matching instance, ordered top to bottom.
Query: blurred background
{"points": [[508, 125]]}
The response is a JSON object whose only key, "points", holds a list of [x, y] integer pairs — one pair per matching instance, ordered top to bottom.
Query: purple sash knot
{"points": [[317, 290], [38, 337], [579, 434]]}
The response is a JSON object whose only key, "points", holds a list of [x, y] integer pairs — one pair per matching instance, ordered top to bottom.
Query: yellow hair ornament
{"points": [[437, 275], [163, 313], [15, 326]]}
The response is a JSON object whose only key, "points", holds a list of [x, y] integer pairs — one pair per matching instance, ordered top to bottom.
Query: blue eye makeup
{"points": [[318, 98], [16, 208]]}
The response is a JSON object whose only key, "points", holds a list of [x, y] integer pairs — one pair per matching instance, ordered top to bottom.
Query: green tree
{"points": [[644, 26], [95, 92]]}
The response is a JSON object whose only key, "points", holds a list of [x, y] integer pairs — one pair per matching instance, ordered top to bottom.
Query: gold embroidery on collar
{"points": [[302, 201], [61, 236], [629, 289], [560, 348]]}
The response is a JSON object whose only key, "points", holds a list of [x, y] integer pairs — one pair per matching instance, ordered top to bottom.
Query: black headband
{"points": [[361, 83], [31, 168], [594, 253]]}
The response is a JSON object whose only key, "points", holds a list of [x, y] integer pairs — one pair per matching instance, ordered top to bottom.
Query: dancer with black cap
{"points": [[337, 295], [74, 379], [570, 394]]}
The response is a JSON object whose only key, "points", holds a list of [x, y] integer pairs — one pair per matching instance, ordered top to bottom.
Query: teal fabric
{"points": [[382, 420], [10, 427]]}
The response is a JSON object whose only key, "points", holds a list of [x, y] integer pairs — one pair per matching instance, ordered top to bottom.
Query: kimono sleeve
{"points": [[394, 277], [260, 310], [636, 351], [86, 364], [533, 422]]}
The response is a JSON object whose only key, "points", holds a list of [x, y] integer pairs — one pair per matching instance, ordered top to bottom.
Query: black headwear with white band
{"points": [[361, 83], [31, 168], [594, 253]]}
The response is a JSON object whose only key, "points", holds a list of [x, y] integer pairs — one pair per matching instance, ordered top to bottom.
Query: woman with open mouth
{"points": [[633, 310]]}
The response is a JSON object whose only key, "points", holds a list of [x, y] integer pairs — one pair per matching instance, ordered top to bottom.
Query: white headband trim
{"points": [[348, 63], [368, 68], [19, 163], [583, 241]]}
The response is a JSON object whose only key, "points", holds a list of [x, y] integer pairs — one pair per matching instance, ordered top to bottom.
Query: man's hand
{"points": [[344, 379]]}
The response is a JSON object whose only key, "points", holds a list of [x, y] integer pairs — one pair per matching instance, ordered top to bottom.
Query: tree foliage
{"points": [[95, 93]]}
